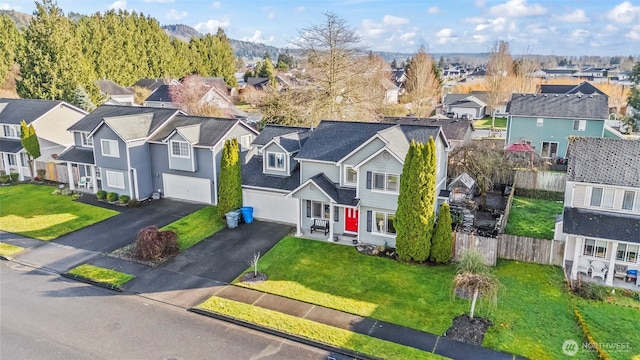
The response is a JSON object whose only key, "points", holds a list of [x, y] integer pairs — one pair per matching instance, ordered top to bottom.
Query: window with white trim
{"points": [[539, 122], [579, 125], [11, 131], [87, 141], [245, 142], [110, 148], [179, 148], [549, 149], [12, 159], [24, 159], [275, 160], [350, 175], [115, 179], [386, 182], [596, 196], [601, 197], [631, 200], [320, 210], [383, 223], [595, 248], [627, 252]]}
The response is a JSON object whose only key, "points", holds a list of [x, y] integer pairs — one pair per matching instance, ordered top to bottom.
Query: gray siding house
{"points": [[344, 174]]}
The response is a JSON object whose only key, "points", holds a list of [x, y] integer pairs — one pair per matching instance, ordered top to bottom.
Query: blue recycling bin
{"points": [[247, 214]]}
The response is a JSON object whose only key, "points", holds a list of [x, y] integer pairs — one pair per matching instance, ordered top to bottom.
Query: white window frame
{"points": [[540, 122], [581, 125], [11, 131], [87, 141], [245, 142], [109, 143], [181, 146], [276, 155], [548, 156], [24, 159], [12, 160], [114, 175], [346, 175], [387, 176], [608, 197], [596, 200], [635, 200], [325, 210], [375, 228], [596, 245], [624, 249]]}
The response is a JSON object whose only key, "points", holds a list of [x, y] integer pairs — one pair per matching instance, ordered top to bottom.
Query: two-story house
{"points": [[49, 119], [547, 121], [139, 151], [346, 174], [601, 219]]}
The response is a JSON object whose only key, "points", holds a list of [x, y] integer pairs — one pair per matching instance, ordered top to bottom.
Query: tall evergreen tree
{"points": [[10, 42], [213, 56], [82, 100], [29, 141], [230, 187], [442, 242]]}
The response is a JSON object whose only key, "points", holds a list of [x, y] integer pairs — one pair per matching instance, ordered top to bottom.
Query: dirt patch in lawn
{"points": [[468, 330]]}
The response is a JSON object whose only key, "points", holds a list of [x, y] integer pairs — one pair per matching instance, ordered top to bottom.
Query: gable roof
{"points": [[153, 84], [108, 87], [583, 88], [161, 94], [465, 100], [562, 106], [12, 111], [93, 119], [130, 127], [453, 129], [199, 130], [270, 131], [291, 142], [10, 145], [77, 154], [604, 161], [252, 175], [464, 179], [339, 195]]}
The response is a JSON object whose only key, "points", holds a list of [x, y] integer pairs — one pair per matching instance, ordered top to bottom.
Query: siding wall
{"points": [[56, 122], [273, 148], [364, 153], [105, 161], [141, 161], [180, 163], [386, 163], [309, 169], [127, 187], [338, 214]]}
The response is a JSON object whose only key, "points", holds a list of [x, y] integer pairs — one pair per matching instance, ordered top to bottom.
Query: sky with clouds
{"points": [[549, 27]]}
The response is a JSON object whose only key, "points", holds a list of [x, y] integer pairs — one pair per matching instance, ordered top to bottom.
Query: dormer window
{"points": [[87, 141], [180, 149], [275, 161], [350, 175]]}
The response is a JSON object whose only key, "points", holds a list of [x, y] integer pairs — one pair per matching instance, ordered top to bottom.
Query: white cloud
{"points": [[159, 1], [480, 3], [120, 4], [216, 5], [5, 6], [517, 8], [300, 9], [269, 10], [434, 10], [624, 12], [174, 14], [577, 16], [394, 20], [474, 20], [497, 25], [212, 26], [372, 29], [537, 29], [634, 34], [446, 35], [579, 35], [408, 36], [257, 38], [480, 39]]}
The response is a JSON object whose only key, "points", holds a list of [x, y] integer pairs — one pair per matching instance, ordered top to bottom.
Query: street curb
{"points": [[2, 257], [92, 282], [282, 334]]}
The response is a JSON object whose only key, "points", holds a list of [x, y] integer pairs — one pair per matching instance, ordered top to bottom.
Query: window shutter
{"points": [[368, 179], [308, 208], [336, 214], [369, 214]]}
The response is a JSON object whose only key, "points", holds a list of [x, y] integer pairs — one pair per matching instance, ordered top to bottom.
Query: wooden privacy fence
{"points": [[540, 180], [521, 248]]}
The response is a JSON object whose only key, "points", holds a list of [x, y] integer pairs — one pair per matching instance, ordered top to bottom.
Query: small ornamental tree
{"points": [[29, 142], [230, 187], [152, 243], [441, 250], [475, 278]]}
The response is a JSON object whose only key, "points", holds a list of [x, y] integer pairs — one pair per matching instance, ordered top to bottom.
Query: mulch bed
{"points": [[126, 253], [250, 277], [468, 330]]}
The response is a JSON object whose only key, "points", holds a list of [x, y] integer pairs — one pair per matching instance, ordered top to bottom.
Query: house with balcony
{"points": [[49, 118], [338, 181], [601, 217]]}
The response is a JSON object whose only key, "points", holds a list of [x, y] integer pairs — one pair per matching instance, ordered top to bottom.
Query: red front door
{"points": [[351, 220]]}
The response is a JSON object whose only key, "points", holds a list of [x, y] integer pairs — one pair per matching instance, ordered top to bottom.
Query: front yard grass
{"points": [[500, 123], [33, 211], [533, 217], [197, 226], [8, 250], [101, 275], [533, 302], [315, 331]]}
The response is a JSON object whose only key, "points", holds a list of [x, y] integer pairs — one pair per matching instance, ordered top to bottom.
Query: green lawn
{"points": [[500, 123], [31, 210], [533, 217], [195, 227], [8, 250], [101, 275], [534, 299]]}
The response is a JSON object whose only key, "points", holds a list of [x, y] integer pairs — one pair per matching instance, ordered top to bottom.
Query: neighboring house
{"points": [[554, 73], [399, 77], [260, 83], [153, 84], [584, 88], [391, 92], [116, 94], [161, 98], [464, 105], [49, 118], [547, 121], [456, 131], [139, 151], [345, 175], [601, 219]]}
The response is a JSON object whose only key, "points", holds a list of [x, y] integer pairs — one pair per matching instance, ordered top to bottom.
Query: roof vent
{"points": [[556, 95], [591, 96]]}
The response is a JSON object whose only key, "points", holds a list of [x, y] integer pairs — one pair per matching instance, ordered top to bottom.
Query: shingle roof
{"points": [[152, 84], [108, 87], [584, 88], [161, 94], [561, 106], [28, 110], [93, 119], [130, 127], [453, 129], [211, 130], [271, 131], [333, 140], [292, 142], [10, 145], [77, 155], [604, 161], [252, 176], [463, 178], [342, 196], [601, 224]]}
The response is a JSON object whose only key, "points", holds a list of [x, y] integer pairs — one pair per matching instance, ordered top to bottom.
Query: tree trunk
{"points": [[493, 119], [31, 164], [473, 303]]}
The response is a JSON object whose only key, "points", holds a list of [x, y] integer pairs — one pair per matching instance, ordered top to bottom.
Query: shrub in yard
{"points": [[41, 173], [14, 177], [5, 179], [66, 192], [101, 195], [111, 197], [123, 199], [133, 203], [152, 243], [441, 248], [588, 291]]}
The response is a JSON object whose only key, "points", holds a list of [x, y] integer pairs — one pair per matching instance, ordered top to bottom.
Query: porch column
{"points": [[5, 163], [20, 167], [94, 181], [72, 182], [299, 218], [330, 222], [577, 250], [612, 263]]}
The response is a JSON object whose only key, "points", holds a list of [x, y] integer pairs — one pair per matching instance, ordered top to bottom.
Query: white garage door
{"points": [[187, 188], [270, 205]]}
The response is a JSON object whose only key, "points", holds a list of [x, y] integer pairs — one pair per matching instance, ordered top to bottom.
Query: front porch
{"points": [[341, 239], [610, 280]]}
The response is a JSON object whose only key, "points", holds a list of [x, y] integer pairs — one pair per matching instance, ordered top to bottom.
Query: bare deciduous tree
{"points": [[499, 70], [523, 80], [423, 87], [189, 95], [253, 262]]}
